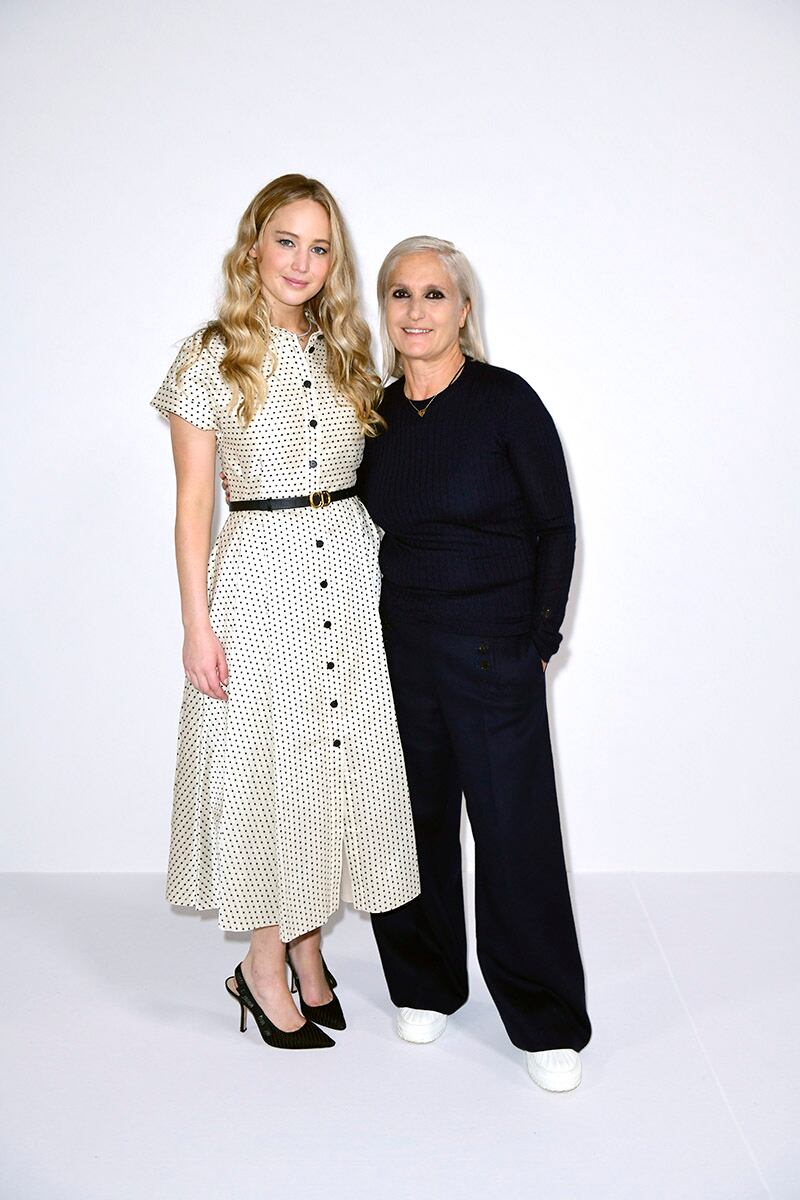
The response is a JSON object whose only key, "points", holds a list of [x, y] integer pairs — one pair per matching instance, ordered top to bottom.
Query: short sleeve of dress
{"points": [[194, 388]]}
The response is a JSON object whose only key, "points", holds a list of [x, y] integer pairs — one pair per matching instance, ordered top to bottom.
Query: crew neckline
{"points": [[468, 362]]}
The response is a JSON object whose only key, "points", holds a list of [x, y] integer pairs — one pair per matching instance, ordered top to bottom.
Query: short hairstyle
{"points": [[458, 268]]}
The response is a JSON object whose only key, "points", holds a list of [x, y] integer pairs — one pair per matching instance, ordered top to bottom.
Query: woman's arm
{"points": [[194, 452], [536, 456]]}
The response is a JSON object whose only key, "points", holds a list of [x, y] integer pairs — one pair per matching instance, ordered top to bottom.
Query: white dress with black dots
{"points": [[303, 762]]}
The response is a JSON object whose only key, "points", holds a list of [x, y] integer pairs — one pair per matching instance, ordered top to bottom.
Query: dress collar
{"points": [[290, 333]]}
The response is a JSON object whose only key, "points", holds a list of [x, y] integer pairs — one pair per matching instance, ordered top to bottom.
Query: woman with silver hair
{"points": [[469, 484]]}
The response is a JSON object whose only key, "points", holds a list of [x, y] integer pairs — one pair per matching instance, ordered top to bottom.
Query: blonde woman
{"points": [[289, 760]]}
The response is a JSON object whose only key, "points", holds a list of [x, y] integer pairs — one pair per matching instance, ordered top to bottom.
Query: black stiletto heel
{"points": [[329, 1014], [308, 1037]]}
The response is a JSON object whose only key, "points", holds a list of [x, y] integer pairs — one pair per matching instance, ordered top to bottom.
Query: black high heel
{"points": [[329, 1014], [307, 1037]]}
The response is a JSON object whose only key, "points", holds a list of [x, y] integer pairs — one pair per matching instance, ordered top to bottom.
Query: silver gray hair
{"points": [[458, 268]]}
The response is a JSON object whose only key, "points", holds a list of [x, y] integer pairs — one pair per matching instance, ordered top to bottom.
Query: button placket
{"points": [[312, 458], [321, 542], [329, 650], [328, 669]]}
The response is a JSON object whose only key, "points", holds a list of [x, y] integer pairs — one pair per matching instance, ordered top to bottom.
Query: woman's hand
{"points": [[225, 487], [204, 662]]}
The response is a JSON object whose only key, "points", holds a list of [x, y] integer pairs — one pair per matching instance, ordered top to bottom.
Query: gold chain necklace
{"points": [[427, 403]]}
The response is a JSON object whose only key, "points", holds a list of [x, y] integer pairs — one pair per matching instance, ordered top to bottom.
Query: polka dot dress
{"points": [[303, 762]]}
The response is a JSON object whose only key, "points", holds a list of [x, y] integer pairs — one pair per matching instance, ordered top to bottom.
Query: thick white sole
{"points": [[421, 1034], [554, 1081]]}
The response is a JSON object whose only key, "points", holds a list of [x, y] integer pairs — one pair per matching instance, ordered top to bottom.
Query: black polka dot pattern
{"points": [[303, 761]]}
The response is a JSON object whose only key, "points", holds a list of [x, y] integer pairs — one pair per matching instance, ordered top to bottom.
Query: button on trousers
{"points": [[472, 715]]}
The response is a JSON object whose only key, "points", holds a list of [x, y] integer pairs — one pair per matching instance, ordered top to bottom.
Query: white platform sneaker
{"points": [[420, 1024], [554, 1070]]}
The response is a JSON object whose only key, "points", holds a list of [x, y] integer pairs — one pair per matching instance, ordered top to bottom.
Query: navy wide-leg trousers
{"points": [[472, 714]]}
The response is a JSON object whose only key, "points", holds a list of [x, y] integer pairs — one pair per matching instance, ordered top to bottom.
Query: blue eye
{"points": [[285, 242], [320, 250]]}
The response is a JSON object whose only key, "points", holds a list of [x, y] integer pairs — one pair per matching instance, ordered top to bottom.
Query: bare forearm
{"points": [[192, 542]]}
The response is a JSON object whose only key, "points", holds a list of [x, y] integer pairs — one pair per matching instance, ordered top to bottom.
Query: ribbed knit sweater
{"points": [[474, 502]]}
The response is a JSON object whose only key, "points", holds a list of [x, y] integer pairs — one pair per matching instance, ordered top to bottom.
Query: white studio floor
{"points": [[126, 1076]]}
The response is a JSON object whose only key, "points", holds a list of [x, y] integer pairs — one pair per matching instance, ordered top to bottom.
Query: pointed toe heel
{"points": [[330, 1015], [307, 1037]]}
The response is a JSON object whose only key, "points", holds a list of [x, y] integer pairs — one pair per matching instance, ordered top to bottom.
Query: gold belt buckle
{"points": [[319, 499]]}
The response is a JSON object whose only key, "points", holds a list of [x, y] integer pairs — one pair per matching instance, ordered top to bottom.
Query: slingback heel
{"points": [[331, 982], [329, 1014], [307, 1037]]}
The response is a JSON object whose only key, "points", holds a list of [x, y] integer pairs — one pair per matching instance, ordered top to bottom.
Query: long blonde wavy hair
{"points": [[243, 320]]}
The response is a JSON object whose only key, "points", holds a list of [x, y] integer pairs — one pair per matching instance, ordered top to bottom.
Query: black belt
{"points": [[319, 499]]}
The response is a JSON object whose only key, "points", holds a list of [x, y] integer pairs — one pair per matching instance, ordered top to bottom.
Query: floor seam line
{"points": [[693, 1024]]}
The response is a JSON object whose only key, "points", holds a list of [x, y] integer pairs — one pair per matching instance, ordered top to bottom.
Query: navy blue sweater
{"points": [[474, 501]]}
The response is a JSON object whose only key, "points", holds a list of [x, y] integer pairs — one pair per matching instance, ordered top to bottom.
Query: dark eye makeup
{"points": [[401, 293]]}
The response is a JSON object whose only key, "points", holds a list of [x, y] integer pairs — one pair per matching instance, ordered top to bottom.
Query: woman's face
{"points": [[293, 254], [424, 311]]}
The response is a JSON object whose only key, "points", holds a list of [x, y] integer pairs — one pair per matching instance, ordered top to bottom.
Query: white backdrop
{"points": [[624, 177]]}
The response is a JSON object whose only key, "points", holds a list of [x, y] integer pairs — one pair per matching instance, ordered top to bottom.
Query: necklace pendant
{"points": [[421, 411]]}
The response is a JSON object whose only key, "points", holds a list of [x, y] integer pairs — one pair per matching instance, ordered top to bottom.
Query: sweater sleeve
{"points": [[534, 451]]}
